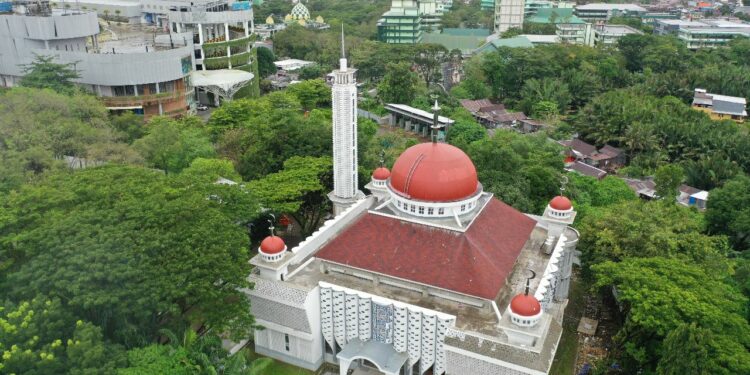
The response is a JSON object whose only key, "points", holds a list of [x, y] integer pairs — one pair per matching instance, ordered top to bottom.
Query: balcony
{"points": [[141, 100]]}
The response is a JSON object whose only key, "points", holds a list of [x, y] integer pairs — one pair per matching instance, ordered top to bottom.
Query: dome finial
{"points": [[435, 120], [270, 224], [528, 281]]}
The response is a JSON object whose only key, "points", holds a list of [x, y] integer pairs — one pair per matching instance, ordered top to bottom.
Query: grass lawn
{"points": [[564, 362], [277, 368]]}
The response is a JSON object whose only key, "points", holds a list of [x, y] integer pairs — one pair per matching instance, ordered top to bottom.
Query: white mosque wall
{"points": [[348, 314]]}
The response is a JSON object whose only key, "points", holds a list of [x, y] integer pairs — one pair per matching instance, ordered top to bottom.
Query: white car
{"points": [[202, 107]]}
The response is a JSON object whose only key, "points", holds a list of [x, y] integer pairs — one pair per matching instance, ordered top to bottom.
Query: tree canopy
{"points": [[44, 73]]}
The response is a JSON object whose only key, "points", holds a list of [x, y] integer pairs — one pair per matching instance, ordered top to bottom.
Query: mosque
{"points": [[427, 274]]}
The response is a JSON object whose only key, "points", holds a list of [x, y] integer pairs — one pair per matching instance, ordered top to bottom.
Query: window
{"points": [[398, 203], [463, 207], [412, 208], [421, 210], [430, 211], [441, 211], [286, 341]]}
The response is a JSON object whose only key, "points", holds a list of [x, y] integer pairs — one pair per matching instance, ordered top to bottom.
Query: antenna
{"points": [[343, 52], [435, 121], [270, 223], [528, 281]]}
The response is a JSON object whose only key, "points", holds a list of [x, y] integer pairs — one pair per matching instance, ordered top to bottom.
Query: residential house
{"points": [[568, 27], [720, 107], [493, 115], [608, 157], [586, 170], [644, 189], [692, 197]]}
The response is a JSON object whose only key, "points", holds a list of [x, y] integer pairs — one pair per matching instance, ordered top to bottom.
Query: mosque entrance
{"points": [[371, 358]]}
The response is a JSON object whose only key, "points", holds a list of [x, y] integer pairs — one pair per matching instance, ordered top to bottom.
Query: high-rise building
{"points": [[508, 14], [402, 24], [344, 98]]}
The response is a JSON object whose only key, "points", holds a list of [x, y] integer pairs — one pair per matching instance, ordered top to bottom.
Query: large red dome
{"points": [[436, 172], [525, 305]]}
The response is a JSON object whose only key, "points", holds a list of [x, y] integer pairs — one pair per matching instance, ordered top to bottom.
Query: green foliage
{"points": [[468, 15], [266, 58], [428, 60], [311, 72], [44, 73], [398, 85], [553, 91], [312, 94], [129, 124], [38, 128], [462, 133], [258, 135], [171, 145], [523, 171], [668, 178], [300, 189], [589, 193], [728, 211], [638, 229], [130, 250], [661, 295], [39, 336], [689, 350], [158, 359]]}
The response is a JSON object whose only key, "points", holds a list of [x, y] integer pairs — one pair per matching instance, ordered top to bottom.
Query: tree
{"points": [[511, 32], [428, 62], [266, 66], [311, 72], [44, 73], [399, 84], [546, 90], [312, 93], [130, 125], [39, 128], [462, 133], [171, 145], [522, 170], [668, 178], [300, 190], [589, 194], [728, 211], [640, 229], [133, 250], [660, 295], [39, 336], [688, 350]]}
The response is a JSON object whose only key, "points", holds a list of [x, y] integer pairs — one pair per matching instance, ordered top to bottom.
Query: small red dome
{"points": [[436, 172], [381, 173], [560, 203], [272, 245], [525, 305]]}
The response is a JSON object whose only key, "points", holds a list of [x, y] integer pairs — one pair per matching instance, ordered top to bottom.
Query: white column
{"points": [[247, 31], [226, 32], [200, 34], [161, 109]]}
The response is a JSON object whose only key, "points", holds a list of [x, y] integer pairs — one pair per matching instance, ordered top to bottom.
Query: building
{"points": [[487, 5], [532, 6], [602, 12], [431, 14], [508, 14], [402, 24], [672, 26], [568, 27], [605, 35], [712, 36], [465, 40], [493, 44], [290, 65], [145, 75], [720, 107], [415, 120], [607, 157], [585, 169], [692, 197], [428, 274]]}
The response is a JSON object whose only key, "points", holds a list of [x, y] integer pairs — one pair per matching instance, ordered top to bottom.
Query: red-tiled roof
{"points": [[476, 262]]}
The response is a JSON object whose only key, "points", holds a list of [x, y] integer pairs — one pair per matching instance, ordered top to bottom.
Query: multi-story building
{"points": [[487, 5], [532, 6], [601, 12], [508, 14], [402, 24], [568, 27], [706, 33], [605, 35], [149, 76]]}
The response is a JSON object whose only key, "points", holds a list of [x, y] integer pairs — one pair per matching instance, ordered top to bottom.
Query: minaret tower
{"points": [[344, 97]]}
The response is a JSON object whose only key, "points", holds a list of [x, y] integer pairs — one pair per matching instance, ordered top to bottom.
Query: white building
{"points": [[508, 14], [292, 64], [428, 273]]}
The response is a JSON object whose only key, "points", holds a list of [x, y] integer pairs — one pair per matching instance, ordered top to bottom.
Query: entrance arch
{"points": [[383, 356]]}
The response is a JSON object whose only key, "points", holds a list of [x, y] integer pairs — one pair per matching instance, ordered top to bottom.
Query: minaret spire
{"points": [[345, 169]]}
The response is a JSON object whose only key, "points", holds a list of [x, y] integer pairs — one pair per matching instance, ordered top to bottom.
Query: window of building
{"points": [[398, 203], [463, 207], [412, 208], [421, 210], [430, 211], [441, 211], [286, 341]]}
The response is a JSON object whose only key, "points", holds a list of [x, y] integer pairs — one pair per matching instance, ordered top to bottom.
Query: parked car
{"points": [[202, 107]]}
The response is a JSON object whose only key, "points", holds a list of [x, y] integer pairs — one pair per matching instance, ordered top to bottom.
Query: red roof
{"points": [[435, 172], [381, 173], [560, 203], [272, 245], [476, 262], [525, 305]]}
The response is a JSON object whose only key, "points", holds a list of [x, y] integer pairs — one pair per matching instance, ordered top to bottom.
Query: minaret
{"points": [[344, 97]]}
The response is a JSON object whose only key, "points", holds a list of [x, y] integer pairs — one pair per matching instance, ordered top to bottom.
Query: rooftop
{"points": [[607, 6], [555, 15], [475, 262]]}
